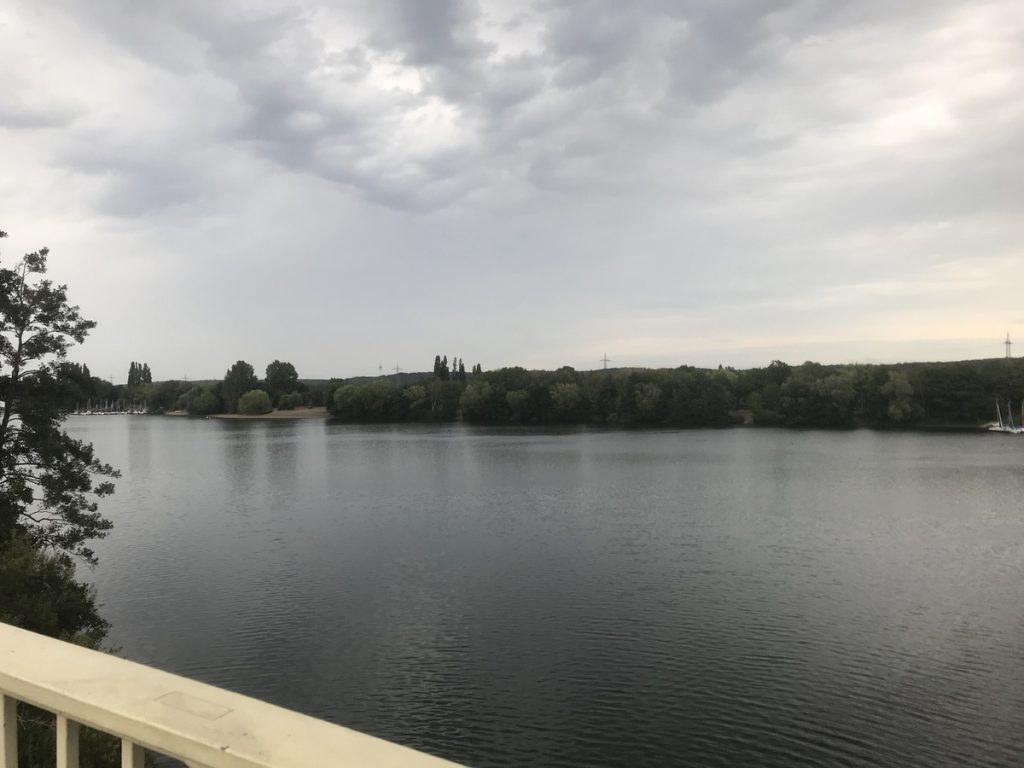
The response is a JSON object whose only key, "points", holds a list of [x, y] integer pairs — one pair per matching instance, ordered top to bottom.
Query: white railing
{"points": [[152, 710]]}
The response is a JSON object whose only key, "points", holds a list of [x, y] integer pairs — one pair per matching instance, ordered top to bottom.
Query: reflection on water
{"points": [[581, 598]]}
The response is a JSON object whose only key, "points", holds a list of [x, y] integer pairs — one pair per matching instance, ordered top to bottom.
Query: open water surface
{"points": [[704, 598]]}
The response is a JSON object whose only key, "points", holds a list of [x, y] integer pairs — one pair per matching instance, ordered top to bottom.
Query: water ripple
{"points": [[575, 599]]}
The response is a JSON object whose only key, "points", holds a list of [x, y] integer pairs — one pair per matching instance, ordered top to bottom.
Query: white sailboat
{"points": [[1007, 427], [1010, 428]]}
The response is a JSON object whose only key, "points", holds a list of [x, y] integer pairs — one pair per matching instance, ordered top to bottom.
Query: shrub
{"points": [[200, 401], [254, 402], [289, 402]]}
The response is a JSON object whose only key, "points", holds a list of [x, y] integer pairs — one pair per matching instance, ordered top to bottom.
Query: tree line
{"points": [[280, 388], [241, 391], [807, 395]]}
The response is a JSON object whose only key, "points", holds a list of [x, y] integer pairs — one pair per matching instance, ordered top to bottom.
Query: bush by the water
{"points": [[200, 401], [254, 402], [289, 402]]}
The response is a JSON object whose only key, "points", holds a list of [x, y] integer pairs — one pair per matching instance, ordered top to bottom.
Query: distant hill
{"points": [[402, 379]]}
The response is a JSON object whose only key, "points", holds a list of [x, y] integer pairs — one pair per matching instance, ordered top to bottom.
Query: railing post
{"points": [[8, 732], [67, 742], [132, 755]]}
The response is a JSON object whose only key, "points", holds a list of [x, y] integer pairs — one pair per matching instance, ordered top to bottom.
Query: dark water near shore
{"points": [[584, 598]]}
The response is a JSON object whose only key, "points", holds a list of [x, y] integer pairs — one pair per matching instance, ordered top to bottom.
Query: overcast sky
{"points": [[348, 184]]}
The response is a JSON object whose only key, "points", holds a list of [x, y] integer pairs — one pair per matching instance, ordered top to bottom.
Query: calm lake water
{"points": [[702, 598]]}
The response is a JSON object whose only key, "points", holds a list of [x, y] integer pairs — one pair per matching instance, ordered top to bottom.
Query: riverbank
{"points": [[297, 413]]}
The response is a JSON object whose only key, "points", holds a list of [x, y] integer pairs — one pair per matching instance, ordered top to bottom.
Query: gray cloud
{"points": [[439, 34], [604, 81], [27, 116], [697, 168]]}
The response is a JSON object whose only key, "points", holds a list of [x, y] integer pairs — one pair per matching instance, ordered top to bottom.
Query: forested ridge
{"points": [[807, 395]]}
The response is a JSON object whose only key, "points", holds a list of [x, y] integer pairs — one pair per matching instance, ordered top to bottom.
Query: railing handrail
{"points": [[179, 717]]}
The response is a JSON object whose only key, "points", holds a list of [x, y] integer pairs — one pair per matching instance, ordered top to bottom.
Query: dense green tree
{"points": [[138, 374], [239, 379], [281, 379], [75, 383], [898, 393], [324, 395], [163, 396], [443, 399], [201, 400], [648, 400], [376, 401], [518, 401], [254, 402], [289, 402], [418, 402], [485, 402], [566, 402], [347, 403], [48, 487], [38, 591]]}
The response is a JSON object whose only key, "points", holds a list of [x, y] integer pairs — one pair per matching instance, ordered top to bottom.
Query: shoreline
{"points": [[318, 412]]}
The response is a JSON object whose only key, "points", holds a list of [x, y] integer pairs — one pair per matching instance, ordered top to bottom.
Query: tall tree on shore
{"points": [[139, 373], [239, 379], [282, 379], [49, 486], [47, 490]]}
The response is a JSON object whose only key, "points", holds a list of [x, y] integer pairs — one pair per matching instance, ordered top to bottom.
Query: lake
{"points": [[500, 597]]}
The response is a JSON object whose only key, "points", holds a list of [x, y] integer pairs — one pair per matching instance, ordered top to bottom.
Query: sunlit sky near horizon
{"points": [[348, 184]]}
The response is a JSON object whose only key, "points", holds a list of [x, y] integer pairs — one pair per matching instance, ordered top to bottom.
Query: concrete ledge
{"points": [[175, 716]]}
